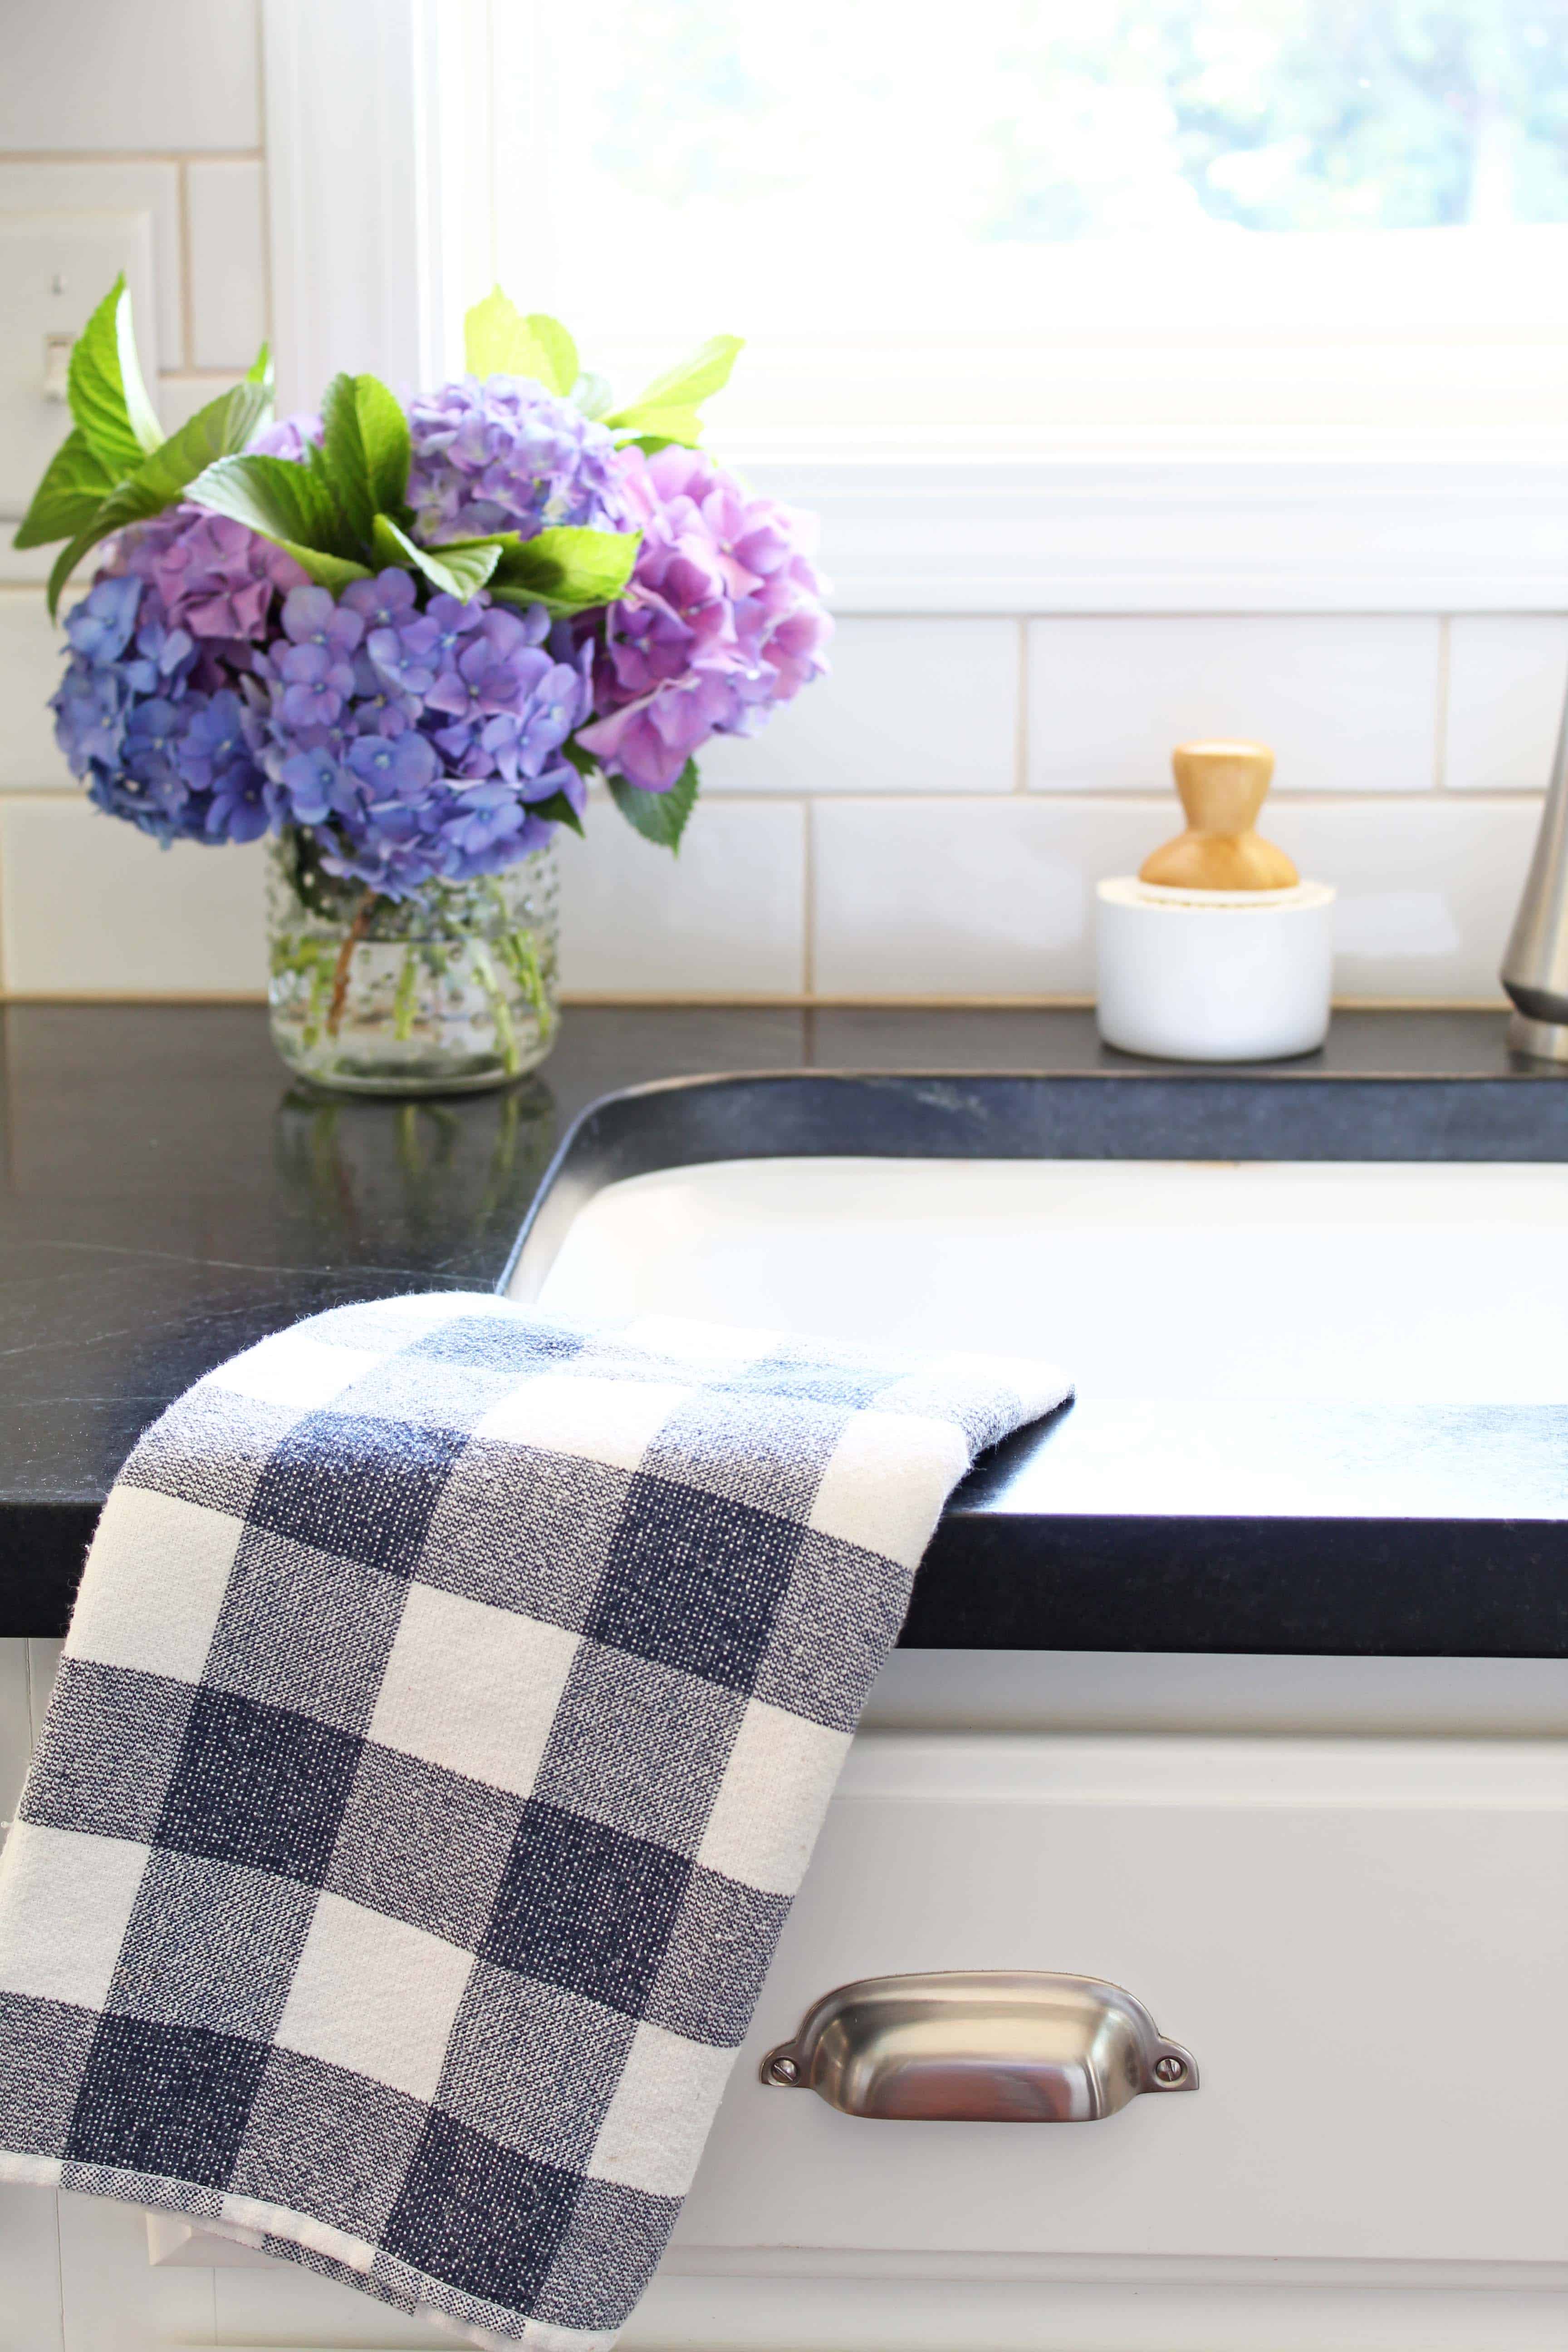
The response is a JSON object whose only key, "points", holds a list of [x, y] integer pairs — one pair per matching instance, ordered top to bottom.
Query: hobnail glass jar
{"points": [[448, 990]]}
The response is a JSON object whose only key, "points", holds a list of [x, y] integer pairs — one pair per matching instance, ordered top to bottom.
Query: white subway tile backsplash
{"points": [[162, 75], [90, 186], [228, 264], [20, 564], [30, 647], [1506, 675], [1348, 701], [911, 705], [1426, 888], [955, 895], [938, 898], [996, 899], [90, 905], [724, 918]]}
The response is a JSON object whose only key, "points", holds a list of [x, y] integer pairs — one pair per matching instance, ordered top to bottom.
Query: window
{"points": [[1031, 226]]}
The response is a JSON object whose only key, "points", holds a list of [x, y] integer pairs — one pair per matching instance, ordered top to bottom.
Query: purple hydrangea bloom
{"points": [[289, 437], [507, 455], [381, 603], [722, 618], [315, 667], [141, 720], [419, 744]]}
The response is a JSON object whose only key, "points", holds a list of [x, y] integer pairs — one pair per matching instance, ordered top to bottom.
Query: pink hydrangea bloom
{"points": [[218, 581], [722, 618]]}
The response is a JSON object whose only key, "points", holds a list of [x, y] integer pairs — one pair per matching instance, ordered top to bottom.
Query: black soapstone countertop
{"points": [[171, 1196]]}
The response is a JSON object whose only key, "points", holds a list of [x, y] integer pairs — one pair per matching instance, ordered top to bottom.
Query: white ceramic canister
{"points": [[1215, 975]]}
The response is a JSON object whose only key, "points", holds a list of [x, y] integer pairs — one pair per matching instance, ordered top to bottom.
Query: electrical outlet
{"points": [[55, 269]]}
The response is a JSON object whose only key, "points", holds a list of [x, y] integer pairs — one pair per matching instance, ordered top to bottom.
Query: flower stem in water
{"points": [[352, 938], [405, 1003], [500, 1012]]}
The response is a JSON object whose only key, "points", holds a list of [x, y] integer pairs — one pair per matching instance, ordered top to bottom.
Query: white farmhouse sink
{"points": [[1343, 1282]]}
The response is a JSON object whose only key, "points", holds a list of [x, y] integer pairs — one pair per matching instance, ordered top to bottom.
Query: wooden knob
{"points": [[1222, 788]]}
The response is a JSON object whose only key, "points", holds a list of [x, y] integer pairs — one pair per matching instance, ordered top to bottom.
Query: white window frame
{"points": [[382, 196]]}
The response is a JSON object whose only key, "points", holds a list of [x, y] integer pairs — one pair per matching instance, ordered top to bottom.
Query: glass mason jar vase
{"points": [[442, 992]]}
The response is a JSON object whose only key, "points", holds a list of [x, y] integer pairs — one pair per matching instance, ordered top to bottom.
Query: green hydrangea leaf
{"points": [[493, 336], [552, 338], [499, 341], [261, 369], [683, 386], [592, 394], [109, 401], [144, 416], [223, 426], [655, 428], [220, 430], [365, 449], [75, 485], [270, 495], [289, 504], [66, 562], [459, 569], [567, 570], [333, 572], [558, 810], [660, 817]]}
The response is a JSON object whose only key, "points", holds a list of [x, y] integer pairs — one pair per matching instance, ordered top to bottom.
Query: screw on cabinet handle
{"points": [[980, 2046]]}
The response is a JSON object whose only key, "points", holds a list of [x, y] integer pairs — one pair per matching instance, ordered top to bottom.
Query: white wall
{"points": [[928, 824]]}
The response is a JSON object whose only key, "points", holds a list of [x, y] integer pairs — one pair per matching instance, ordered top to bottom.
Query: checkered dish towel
{"points": [[450, 1706]]}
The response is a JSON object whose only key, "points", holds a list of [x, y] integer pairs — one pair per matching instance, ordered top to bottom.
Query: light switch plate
{"points": [[80, 254]]}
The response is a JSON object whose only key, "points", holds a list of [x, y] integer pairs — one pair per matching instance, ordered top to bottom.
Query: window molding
{"points": [[377, 146], [380, 192]]}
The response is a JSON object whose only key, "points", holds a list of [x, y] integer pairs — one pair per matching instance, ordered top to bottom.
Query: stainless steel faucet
{"points": [[1535, 968]]}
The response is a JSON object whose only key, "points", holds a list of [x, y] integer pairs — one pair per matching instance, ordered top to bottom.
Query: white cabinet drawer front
{"points": [[1364, 1944]]}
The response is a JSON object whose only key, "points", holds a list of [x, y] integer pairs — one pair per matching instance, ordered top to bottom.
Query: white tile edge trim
{"points": [[1043, 537]]}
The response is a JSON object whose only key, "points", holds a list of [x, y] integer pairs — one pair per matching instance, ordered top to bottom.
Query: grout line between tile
{"points": [[132, 155], [267, 272], [188, 331], [1089, 796], [1084, 797], [808, 877], [132, 996], [1062, 1001], [60, 2267]]}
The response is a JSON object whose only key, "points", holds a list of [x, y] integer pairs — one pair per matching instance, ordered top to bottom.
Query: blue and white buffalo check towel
{"points": [[449, 1712]]}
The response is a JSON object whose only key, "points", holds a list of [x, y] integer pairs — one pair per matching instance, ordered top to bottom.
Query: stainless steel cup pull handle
{"points": [[974, 2046]]}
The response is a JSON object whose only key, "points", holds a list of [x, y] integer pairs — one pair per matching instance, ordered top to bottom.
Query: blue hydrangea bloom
{"points": [[152, 723]]}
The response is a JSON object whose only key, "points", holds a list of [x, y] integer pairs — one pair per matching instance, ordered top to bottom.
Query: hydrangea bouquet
{"points": [[404, 641]]}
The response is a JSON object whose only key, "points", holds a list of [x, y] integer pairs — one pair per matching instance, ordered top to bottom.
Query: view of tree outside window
{"points": [[1287, 115], [1099, 118], [867, 174]]}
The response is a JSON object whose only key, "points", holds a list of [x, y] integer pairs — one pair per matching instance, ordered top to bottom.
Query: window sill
{"points": [[945, 534]]}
